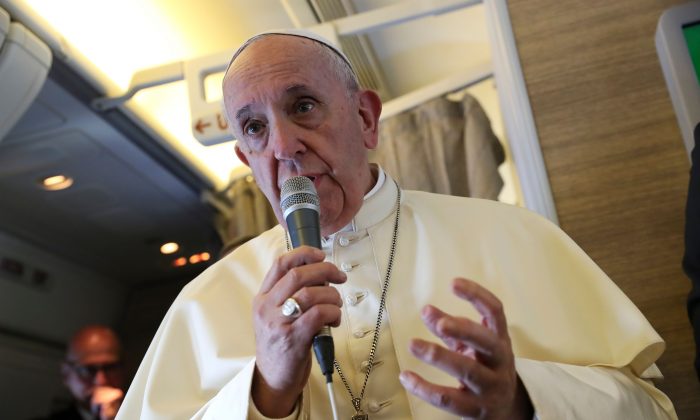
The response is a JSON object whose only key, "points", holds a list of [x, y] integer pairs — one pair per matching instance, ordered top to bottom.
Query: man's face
{"points": [[293, 115], [92, 362]]}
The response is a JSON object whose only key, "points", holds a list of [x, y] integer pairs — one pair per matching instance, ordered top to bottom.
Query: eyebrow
{"points": [[294, 89], [297, 89], [243, 111]]}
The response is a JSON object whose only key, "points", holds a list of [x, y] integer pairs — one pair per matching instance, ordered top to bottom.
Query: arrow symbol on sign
{"points": [[200, 126]]}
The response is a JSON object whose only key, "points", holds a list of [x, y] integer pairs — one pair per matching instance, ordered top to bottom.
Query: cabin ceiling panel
{"points": [[122, 205]]}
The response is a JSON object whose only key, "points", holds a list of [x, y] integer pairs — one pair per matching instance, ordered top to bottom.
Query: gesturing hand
{"points": [[479, 356], [283, 357], [105, 402]]}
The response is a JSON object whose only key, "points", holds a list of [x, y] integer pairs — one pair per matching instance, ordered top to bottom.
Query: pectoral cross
{"points": [[359, 415]]}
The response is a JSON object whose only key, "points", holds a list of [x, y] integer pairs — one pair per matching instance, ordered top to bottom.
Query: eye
{"points": [[305, 106], [252, 128]]}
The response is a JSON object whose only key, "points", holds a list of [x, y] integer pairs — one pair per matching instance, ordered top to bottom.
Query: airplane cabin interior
{"points": [[119, 183]]}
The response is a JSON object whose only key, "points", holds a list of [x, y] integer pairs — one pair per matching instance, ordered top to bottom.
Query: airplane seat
{"points": [[24, 64]]}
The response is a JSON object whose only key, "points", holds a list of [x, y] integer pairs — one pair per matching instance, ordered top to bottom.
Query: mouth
{"points": [[315, 178]]}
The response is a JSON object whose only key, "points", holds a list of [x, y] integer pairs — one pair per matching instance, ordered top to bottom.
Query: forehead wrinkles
{"points": [[282, 61]]}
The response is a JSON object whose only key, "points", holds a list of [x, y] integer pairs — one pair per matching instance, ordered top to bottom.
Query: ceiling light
{"points": [[155, 37], [56, 182], [169, 248], [205, 256], [194, 259], [180, 262]]}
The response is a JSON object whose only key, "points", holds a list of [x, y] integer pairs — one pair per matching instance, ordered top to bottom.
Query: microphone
{"points": [[300, 208]]}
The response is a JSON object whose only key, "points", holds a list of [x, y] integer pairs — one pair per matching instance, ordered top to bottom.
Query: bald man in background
{"points": [[92, 371]]}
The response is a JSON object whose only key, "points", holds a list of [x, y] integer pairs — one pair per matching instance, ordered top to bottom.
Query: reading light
{"points": [[56, 182], [169, 248]]}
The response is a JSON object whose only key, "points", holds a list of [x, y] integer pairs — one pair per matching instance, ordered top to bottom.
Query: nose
{"points": [[286, 139], [100, 378]]}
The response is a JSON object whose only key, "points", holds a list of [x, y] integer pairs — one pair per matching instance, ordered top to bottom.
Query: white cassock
{"points": [[583, 350]]}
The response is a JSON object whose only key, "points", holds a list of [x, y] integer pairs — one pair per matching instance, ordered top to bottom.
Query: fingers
{"points": [[295, 258], [299, 268], [306, 276], [309, 297], [485, 302], [431, 318], [311, 321], [460, 334], [282, 342], [479, 356], [467, 370], [453, 400], [106, 401]]}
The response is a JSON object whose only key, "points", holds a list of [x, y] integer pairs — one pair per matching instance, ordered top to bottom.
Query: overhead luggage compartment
{"points": [[24, 64]]}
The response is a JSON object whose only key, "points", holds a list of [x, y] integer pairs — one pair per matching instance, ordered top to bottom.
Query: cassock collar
{"points": [[377, 205]]}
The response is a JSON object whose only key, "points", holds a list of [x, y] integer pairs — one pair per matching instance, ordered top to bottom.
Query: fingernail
{"points": [[428, 314], [443, 325], [417, 347], [406, 380]]}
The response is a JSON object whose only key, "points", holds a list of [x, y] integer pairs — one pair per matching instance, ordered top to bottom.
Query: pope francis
{"points": [[442, 307]]}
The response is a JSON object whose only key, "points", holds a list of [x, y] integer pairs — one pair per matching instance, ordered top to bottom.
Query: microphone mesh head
{"points": [[298, 192]]}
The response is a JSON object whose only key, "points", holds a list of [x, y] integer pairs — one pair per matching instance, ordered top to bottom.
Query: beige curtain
{"points": [[442, 146], [244, 213]]}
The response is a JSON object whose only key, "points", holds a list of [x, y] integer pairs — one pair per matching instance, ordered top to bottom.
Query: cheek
{"points": [[263, 168], [265, 173], [265, 178], [78, 386]]}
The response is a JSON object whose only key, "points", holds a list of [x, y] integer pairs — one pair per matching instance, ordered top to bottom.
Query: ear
{"points": [[369, 110], [241, 155]]}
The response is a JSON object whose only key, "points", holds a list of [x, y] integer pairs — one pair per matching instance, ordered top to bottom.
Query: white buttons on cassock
{"points": [[344, 241], [346, 267], [355, 298], [362, 332], [365, 365], [374, 406]]}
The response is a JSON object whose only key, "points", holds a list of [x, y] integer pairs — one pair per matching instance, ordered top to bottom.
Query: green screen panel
{"points": [[692, 38]]}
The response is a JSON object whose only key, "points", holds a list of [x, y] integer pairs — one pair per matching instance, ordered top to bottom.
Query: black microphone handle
{"points": [[304, 229]]}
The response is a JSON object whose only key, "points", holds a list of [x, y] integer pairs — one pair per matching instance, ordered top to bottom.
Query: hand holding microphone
{"points": [[300, 207], [283, 360]]}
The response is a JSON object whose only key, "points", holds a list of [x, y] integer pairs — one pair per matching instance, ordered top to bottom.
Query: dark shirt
{"points": [[691, 258], [70, 413]]}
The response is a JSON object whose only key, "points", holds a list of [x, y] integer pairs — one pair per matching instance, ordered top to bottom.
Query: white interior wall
{"points": [[418, 52], [74, 296], [30, 381]]}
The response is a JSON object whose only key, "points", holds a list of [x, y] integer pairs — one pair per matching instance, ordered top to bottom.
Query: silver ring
{"points": [[291, 308]]}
